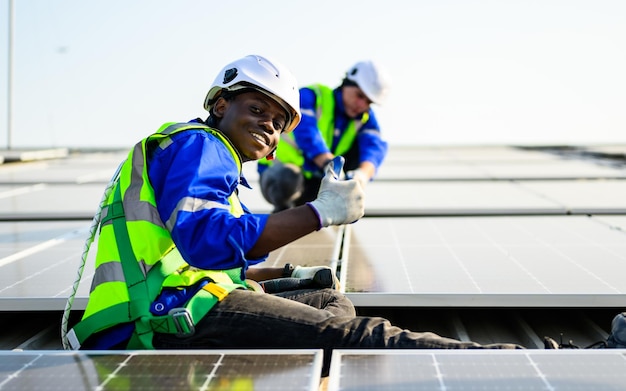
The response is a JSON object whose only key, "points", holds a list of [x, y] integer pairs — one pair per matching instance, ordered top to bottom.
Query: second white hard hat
{"points": [[264, 75], [372, 79]]}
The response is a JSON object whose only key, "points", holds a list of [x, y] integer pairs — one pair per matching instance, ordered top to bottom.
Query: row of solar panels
{"points": [[406, 190], [482, 229], [485, 247], [452, 261], [356, 370]]}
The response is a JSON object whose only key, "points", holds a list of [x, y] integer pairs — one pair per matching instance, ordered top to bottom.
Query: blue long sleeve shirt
{"points": [[372, 147], [199, 166]]}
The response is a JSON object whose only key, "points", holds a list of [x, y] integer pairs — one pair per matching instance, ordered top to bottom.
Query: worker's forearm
{"points": [[322, 159], [264, 273]]}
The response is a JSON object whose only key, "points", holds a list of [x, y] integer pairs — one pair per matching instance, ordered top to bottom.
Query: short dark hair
{"points": [[348, 83], [211, 120]]}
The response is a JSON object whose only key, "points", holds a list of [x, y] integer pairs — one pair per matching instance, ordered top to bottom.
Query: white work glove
{"points": [[359, 175], [338, 202], [322, 276]]}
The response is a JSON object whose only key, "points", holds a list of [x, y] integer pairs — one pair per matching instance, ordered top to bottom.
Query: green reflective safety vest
{"points": [[288, 150], [137, 257]]}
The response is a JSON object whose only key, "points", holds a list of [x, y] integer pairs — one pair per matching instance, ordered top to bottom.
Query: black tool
{"points": [[323, 278]]}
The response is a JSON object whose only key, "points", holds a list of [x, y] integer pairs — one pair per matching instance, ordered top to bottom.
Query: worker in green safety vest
{"points": [[335, 122], [174, 240], [175, 250]]}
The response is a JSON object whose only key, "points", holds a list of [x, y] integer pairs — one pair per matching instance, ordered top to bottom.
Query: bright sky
{"points": [[107, 73]]}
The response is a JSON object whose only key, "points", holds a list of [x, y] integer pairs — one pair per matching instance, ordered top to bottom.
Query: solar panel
{"points": [[466, 153], [487, 163], [76, 168], [561, 169], [503, 170], [405, 171], [40, 189], [583, 197], [454, 198], [49, 201], [615, 222], [316, 249], [39, 261], [447, 261], [537, 261], [38, 264], [161, 370], [395, 370]]}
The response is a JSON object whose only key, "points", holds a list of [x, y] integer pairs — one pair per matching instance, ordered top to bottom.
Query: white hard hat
{"points": [[261, 74], [372, 79]]}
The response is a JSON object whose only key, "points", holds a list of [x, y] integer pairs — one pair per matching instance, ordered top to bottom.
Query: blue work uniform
{"points": [[368, 145], [197, 165]]}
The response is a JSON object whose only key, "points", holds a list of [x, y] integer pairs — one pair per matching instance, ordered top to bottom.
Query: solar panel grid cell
{"points": [[532, 258], [170, 370], [473, 370]]}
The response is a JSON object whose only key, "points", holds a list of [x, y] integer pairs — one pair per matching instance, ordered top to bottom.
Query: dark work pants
{"points": [[303, 319]]}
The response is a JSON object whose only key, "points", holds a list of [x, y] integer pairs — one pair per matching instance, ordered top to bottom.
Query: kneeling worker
{"points": [[335, 122]]}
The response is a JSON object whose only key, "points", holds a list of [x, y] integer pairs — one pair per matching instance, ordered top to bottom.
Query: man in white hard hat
{"points": [[335, 122], [172, 270]]}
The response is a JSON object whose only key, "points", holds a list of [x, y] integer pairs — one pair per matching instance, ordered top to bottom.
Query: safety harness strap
{"points": [[135, 279], [139, 306], [181, 321], [87, 326]]}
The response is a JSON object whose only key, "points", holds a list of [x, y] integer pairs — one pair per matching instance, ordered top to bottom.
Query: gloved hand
{"points": [[359, 175], [338, 202], [322, 276]]}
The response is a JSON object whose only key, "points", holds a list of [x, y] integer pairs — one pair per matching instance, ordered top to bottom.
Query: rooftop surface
{"points": [[482, 243]]}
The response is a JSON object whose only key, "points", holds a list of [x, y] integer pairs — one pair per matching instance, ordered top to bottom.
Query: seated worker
{"points": [[335, 122], [172, 268]]}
